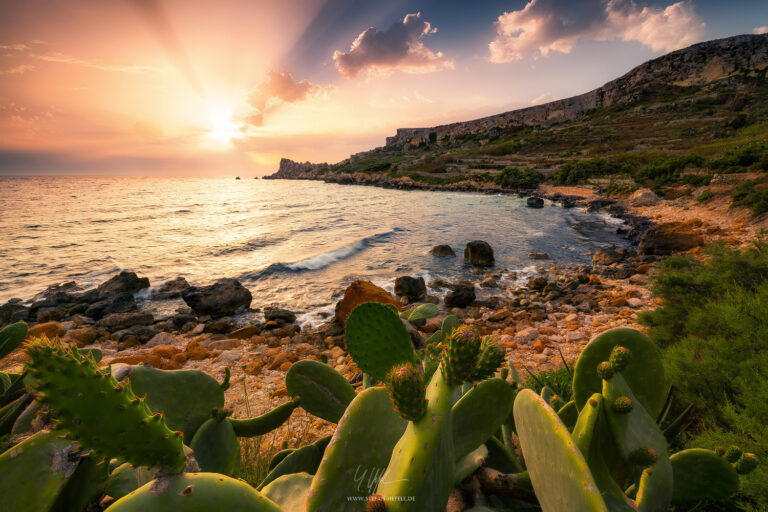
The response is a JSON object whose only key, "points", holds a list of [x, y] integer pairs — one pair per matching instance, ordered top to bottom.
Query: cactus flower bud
{"points": [[460, 355], [491, 357], [620, 357], [605, 370], [408, 390], [623, 404], [720, 450], [733, 453], [746, 463], [376, 503]]}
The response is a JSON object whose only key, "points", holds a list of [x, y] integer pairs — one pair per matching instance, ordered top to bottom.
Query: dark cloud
{"points": [[557, 25], [399, 47]]}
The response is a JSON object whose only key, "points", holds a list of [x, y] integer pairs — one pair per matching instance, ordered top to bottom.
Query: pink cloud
{"points": [[544, 26], [399, 47], [279, 88]]}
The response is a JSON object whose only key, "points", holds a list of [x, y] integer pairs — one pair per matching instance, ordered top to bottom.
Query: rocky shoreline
{"points": [[539, 321]]}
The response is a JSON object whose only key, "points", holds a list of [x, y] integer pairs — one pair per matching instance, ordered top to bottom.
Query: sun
{"points": [[221, 124]]}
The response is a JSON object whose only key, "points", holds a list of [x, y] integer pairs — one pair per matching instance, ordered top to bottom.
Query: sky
{"points": [[193, 87]]}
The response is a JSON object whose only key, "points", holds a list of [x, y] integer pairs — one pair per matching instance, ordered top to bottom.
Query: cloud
{"points": [[557, 25], [760, 30], [400, 47], [104, 66], [17, 70], [280, 88], [543, 98]]}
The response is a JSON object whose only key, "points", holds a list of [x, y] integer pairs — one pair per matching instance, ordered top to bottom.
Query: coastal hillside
{"points": [[672, 122]]}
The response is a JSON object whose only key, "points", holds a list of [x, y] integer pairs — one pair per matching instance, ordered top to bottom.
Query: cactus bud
{"points": [[460, 355], [491, 357], [620, 357], [605, 370], [406, 387], [623, 404], [720, 450], [733, 453], [643, 457], [746, 464], [376, 503]]}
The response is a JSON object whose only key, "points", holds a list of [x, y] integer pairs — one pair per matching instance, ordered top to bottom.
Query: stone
{"points": [[644, 197], [534, 202], [669, 238], [443, 251], [479, 253], [538, 256], [607, 256], [124, 282], [490, 282], [537, 283], [414, 288], [170, 289], [358, 292], [461, 295], [224, 297], [112, 303], [11, 312], [50, 314], [277, 314], [119, 321], [222, 326], [47, 329], [245, 332], [83, 336], [526, 336], [163, 338], [227, 344], [196, 352], [229, 357], [278, 361], [253, 367]]}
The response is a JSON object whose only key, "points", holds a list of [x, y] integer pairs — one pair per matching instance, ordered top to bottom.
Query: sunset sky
{"points": [[147, 87]]}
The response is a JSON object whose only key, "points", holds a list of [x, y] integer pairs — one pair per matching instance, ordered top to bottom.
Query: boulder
{"points": [[644, 197], [534, 202], [669, 238], [442, 250], [478, 253], [538, 256], [607, 256], [124, 282], [537, 283], [414, 288], [170, 289], [358, 292], [461, 295], [224, 297], [112, 303], [12, 312], [277, 314], [119, 321], [47, 329], [245, 332], [83, 336], [163, 338]]}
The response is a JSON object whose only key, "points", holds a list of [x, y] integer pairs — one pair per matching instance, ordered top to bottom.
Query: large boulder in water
{"points": [[534, 202], [669, 238], [442, 250], [479, 253], [124, 282], [414, 288], [171, 289], [358, 292], [224, 297], [112, 303]]}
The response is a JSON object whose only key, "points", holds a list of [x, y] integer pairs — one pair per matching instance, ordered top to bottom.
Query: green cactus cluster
{"points": [[405, 383]]}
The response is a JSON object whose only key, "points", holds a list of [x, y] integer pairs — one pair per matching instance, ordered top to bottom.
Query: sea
{"points": [[296, 244]]}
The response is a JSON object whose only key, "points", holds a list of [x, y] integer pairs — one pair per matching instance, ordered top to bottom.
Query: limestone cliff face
{"points": [[696, 65], [295, 170]]}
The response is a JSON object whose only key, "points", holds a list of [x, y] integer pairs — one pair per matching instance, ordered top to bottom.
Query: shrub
{"points": [[512, 177], [747, 194], [705, 196], [713, 327]]}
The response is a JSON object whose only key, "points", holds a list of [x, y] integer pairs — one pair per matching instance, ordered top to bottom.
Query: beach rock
{"points": [[644, 197], [534, 202], [669, 238], [442, 250], [478, 253], [538, 256], [607, 256], [124, 282], [490, 282], [537, 283], [411, 287], [171, 289], [358, 292], [461, 295], [224, 297], [112, 303], [12, 312], [50, 314], [277, 314], [120, 321], [222, 326], [48, 329], [245, 332], [83, 336], [526, 336], [162, 338], [196, 352]]}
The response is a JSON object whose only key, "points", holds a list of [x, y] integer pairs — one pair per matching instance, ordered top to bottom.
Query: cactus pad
{"points": [[11, 337], [377, 339], [460, 353], [645, 373], [406, 387], [321, 390], [479, 413], [103, 415], [267, 422], [216, 447], [643, 457], [558, 471], [701, 474], [289, 491]]}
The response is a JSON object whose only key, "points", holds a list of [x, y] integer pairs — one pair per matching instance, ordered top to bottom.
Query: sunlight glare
{"points": [[221, 125]]}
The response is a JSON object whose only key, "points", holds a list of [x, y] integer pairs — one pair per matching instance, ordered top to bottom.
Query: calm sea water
{"points": [[290, 242]]}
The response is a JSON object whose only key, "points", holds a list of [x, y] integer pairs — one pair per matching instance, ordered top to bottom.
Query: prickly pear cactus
{"points": [[12, 337], [377, 339], [460, 353], [491, 357], [645, 374], [406, 387], [321, 390], [479, 413], [102, 414], [267, 422], [215, 446], [357, 455], [303, 460], [35, 471], [559, 473], [702, 475], [125, 479], [289, 491], [194, 492]]}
